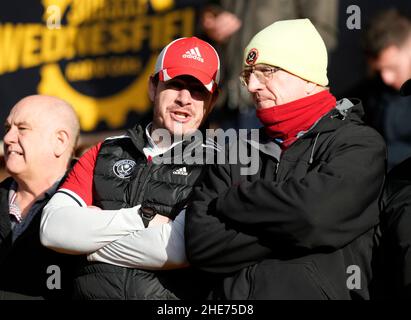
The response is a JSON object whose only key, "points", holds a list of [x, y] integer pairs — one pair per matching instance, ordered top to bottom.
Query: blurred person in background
{"points": [[387, 45], [394, 263]]}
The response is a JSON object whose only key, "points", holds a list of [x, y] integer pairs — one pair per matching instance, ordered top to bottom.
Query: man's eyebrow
{"points": [[176, 80], [22, 123], [8, 124]]}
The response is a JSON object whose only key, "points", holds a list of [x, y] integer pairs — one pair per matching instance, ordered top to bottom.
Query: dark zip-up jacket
{"points": [[153, 184], [303, 226], [395, 253], [28, 270]]}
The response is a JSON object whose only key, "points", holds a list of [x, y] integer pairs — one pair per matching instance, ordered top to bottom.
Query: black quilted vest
{"points": [[124, 178]]}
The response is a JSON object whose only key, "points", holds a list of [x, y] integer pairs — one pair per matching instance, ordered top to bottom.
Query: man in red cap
{"points": [[130, 243]]}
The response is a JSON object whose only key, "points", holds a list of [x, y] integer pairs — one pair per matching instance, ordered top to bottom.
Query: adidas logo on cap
{"points": [[193, 54], [189, 57], [182, 171]]}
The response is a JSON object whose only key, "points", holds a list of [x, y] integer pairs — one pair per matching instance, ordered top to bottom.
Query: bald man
{"points": [[41, 133]]}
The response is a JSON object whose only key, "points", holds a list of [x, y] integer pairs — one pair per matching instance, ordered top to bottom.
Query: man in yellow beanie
{"points": [[302, 227]]}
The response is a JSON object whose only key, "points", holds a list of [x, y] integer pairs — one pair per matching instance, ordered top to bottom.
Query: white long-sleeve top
{"points": [[112, 236], [117, 237]]}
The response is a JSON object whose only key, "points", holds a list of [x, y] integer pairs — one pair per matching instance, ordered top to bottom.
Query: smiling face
{"points": [[180, 104], [29, 141]]}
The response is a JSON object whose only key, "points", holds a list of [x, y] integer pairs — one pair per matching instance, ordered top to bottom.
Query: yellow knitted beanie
{"points": [[293, 45]]}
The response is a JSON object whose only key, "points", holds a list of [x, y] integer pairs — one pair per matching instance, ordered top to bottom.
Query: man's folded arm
{"points": [[68, 226]]}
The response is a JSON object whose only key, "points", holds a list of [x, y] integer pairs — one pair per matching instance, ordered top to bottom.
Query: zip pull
{"points": [[342, 114], [312, 150], [276, 167]]}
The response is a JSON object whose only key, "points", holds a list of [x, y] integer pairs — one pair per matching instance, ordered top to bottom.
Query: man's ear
{"points": [[152, 88], [215, 96], [212, 103], [61, 143]]}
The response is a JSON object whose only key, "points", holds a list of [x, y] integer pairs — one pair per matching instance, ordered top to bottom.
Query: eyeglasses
{"points": [[263, 75]]}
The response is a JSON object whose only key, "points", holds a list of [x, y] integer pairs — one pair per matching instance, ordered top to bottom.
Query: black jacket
{"points": [[389, 113], [151, 184], [296, 228], [395, 253], [24, 263]]}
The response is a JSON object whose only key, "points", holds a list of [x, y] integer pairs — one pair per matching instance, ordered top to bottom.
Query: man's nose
{"points": [[388, 78], [254, 84], [184, 96], [10, 136]]}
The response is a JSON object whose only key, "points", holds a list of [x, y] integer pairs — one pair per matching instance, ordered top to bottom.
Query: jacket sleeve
{"points": [[334, 203], [396, 226], [69, 228], [213, 244], [153, 248]]}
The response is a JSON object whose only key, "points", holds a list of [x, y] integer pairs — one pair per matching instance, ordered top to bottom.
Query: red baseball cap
{"points": [[189, 56]]}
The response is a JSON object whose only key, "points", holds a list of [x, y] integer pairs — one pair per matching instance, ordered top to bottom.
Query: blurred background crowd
{"points": [[98, 54]]}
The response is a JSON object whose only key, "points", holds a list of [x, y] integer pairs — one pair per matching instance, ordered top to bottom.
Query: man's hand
{"points": [[220, 26], [94, 207], [158, 220]]}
